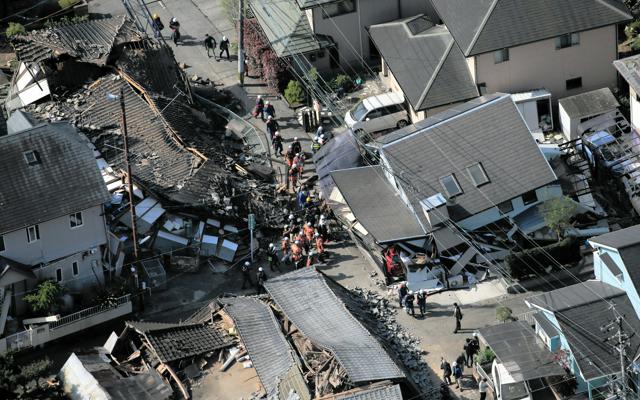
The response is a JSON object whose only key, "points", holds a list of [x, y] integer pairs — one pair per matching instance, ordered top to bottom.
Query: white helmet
{"points": [[174, 19], [224, 38], [266, 102], [269, 117], [295, 139], [297, 242], [270, 245], [247, 263], [260, 269], [410, 291]]}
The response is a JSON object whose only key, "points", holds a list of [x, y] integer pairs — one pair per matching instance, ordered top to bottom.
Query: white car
{"points": [[377, 113]]}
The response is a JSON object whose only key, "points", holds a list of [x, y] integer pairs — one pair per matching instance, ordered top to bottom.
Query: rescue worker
{"points": [[174, 25], [158, 26], [224, 46], [259, 108], [269, 110], [272, 126], [276, 141], [296, 145], [289, 155], [293, 176], [309, 232], [319, 246], [284, 248], [296, 254], [272, 256], [246, 274], [261, 278], [402, 292], [421, 298], [408, 303]]}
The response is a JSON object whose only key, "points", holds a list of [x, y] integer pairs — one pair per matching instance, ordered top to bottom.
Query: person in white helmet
{"points": [[174, 25], [224, 46], [269, 110], [296, 146], [272, 256], [246, 274], [261, 278], [408, 303]]}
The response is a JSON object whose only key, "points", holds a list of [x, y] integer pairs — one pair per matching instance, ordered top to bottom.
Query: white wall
{"points": [[540, 65], [569, 126], [57, 239], [90, 272]]}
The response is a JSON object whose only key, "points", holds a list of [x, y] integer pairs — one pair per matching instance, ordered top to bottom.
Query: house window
{"points": [[340, 8], [568, 40], [500, 56], [575, 83], [482, 88], [31, 157], [477, 174], [450, 185], [529, 197], [505, 207], [75, 220], [33, 233], [2, 248], [74, 268], [59, 275]]}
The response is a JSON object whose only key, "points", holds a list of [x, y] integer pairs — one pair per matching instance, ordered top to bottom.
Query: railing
{"points": [[88, 312], [527, 316], [66, 325]]}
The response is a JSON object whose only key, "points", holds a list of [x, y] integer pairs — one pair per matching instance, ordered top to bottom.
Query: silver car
{"points": [[377, 113]]}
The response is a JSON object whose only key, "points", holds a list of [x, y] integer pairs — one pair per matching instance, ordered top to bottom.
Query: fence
{"points": [[527, 316], [66, 325]]}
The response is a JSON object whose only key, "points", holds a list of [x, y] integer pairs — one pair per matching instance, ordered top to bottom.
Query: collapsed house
{"points": [[196, 173], [454, 193], [309, 338]]}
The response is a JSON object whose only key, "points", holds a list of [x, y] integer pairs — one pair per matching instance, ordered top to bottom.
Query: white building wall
{"points": [[540, 65], [569, 126], [57, 239], [90, 273]]}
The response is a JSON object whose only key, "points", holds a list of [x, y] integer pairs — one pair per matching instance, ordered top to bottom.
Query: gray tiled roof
{"points": [[286, 26], [480, 26], [89, 41], [428, 66], [629, 68], [590, 103], [493, 134], [65, 181], [387, 218], [619, 239], [568, 297], [306, 299], [148, 326], [581, 328], [183, 341], [521, 352], [270, 353], [383, 393]]}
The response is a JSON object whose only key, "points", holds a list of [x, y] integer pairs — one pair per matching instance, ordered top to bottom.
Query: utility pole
{"points": [[241, 43], [132, 208], [621, 342]]}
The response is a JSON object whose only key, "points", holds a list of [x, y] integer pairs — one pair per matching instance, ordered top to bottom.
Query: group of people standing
{"points": [[174, 25], [304, 242], [407, 299], [456, 369]]}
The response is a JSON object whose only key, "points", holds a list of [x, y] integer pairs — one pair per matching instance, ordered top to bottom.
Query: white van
{"points": [[377, 113]]}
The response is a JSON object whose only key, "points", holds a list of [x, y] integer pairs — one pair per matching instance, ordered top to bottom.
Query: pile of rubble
{"points": [[379, 317]]}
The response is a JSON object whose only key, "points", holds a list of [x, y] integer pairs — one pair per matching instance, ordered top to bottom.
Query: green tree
{"points": [[14, 28], [294, 93], [558, 213], [47, 295], [504, 314], [485, 355], [22, 381]]}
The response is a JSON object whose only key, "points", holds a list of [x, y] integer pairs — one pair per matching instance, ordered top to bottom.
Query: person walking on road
{"points": [[174, 25], [158, 26], [210, 45], [224, 46], [259, 108], [269, 110], [272, 126], [277, 143], [296, 146], [272, 255], [246, 274], [261, 278], [402, 292], [421, 297], [408, 303], [457, 314], [468, 352], [446, 371], [457, 374], [482, 388]]}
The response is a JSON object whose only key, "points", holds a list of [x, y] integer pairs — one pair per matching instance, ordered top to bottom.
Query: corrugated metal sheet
{"points": [[311, 305], [270, 353], [384, 393]]}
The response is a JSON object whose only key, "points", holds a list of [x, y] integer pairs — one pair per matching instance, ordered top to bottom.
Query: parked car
{"points": [[377, 113], [605, 150], [507, 388]]}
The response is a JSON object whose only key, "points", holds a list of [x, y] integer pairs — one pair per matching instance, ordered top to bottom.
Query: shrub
{"points": [[67, 3], [14, 28], [341, 82], [294, 93], [558, 213], [536, 260], [46, 295], [503, 314], [485, 355]]}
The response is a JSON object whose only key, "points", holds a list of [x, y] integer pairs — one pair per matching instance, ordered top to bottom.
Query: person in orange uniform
{"points": [[309, 232], [319, 246], [284, 247]]}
